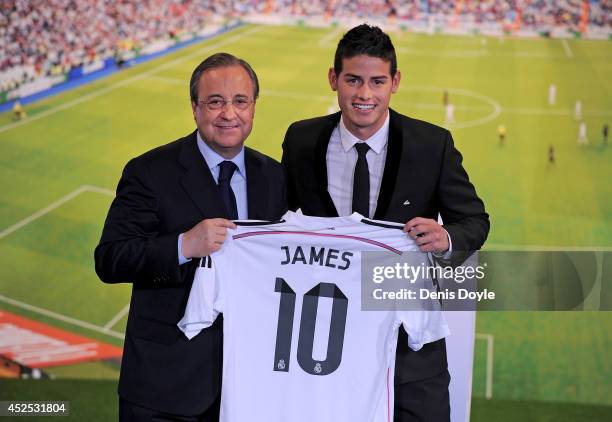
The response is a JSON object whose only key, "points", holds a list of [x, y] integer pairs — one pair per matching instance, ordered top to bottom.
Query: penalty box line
{"points": [[52, 206], [61, 317], [114, 320], [106, 329], [489, 363]]}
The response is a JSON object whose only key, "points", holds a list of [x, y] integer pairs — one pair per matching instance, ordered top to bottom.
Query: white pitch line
{"points": [[324, 41], [566, 47], [167, 80], [125, 82], [295, 95], [492, 116], [97, 189], [52, 206], [42, 212], [548, 248], [61, 317], [110, 324], [489, 376]]}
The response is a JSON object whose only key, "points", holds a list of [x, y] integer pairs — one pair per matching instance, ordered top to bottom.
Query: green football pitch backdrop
{"points": [[59, 168]]}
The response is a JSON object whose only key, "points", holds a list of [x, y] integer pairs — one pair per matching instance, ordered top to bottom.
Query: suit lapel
{"points": [[392, 162], [320, 165], [197, 181], [257, 186]]}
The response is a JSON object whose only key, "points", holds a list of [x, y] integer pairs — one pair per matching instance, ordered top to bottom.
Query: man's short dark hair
{"points": [[367, 40], [216, 61]]}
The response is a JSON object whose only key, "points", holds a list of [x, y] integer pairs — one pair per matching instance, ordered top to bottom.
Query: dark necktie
{"points": [[226, 170], [361, 181]]}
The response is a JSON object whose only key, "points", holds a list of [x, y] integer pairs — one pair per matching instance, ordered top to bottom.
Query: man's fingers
{"points": [[218, 222], [222, 222], [415, 222], [419, 230], [220, 231], [412, 231], [217, 235], [207, 238], [425, 239], [432, 242], [428, 248]]}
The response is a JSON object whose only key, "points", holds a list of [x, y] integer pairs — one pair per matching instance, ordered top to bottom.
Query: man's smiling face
{"points": [[364, 89], [225, 129]]}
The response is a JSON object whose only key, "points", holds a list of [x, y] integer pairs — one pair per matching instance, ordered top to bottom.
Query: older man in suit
{"points": [[372, 160], [173, 204]]}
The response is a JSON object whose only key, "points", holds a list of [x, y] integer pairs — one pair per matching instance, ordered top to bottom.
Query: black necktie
{"points": [[226, 170], [361, 181]]}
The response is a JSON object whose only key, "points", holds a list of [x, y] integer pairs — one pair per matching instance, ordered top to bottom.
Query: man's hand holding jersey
{"points": [[428, 235], [205, 237]]}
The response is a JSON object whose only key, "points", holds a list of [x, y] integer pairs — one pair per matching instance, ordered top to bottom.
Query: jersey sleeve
{"points": [[205, 300], [426, 324], [423, 327]]}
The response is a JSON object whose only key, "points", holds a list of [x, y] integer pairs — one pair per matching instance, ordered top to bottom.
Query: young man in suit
{"points": [[370, 159], [175, 203]]}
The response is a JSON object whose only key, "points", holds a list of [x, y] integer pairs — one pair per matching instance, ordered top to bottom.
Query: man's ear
{"points": [[333, 79], [396, 81]]}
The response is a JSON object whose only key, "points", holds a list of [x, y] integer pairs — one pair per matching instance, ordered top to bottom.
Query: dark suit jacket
{"points": [[423, 176], [161, 194]]}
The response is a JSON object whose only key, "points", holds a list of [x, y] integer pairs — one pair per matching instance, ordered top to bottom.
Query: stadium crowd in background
{"points": [[538, 15], [50, 37]]}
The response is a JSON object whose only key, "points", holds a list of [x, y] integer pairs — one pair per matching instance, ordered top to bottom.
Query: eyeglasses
{"points": [[215, 104]]}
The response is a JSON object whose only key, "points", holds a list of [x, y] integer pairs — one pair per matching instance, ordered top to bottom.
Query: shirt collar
{"points": [[376, 142], [213, 159], [320, 223]]}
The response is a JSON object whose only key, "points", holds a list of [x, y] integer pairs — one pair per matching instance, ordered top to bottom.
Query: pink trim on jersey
{"points": [[341, 236], [388, 399]]}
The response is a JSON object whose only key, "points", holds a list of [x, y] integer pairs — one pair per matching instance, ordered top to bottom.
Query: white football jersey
{"points": [[296, 344]]}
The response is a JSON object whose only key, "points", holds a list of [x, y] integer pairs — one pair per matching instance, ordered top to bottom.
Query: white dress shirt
{"points": [[341, 159], [238, 183]]}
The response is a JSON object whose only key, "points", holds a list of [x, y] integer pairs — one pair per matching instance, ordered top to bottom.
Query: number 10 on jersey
{"points": [[310, 303]]}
